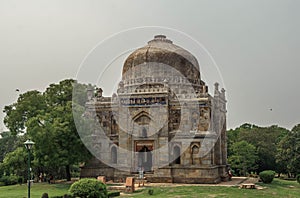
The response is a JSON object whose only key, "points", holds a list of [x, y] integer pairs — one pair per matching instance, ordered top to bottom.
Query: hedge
{"points": [[267, 176], [298, 178], [9, 180], [88, 188]]}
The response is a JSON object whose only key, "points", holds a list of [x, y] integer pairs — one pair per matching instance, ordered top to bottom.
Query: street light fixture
{"points": [[28, 144]]}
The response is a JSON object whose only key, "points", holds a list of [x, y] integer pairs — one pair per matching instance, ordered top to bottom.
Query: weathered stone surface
{"points": [[162, 50], [162, 119]]}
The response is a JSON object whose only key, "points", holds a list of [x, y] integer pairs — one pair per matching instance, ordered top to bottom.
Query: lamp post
{"points": [[28, 144]]}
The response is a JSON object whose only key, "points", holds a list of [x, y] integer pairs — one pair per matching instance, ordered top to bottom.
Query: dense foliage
{"points": [[47, 119], [8, 143], [268, 148], [288, 152], [243, 158], [298, 178], [9, 180], [88, 188]]}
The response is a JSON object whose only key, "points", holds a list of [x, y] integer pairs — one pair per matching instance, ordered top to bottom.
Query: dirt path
{"points": [[234, 182]]}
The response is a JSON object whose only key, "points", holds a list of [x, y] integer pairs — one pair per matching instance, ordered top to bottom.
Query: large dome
{"points": [[162, 51]]}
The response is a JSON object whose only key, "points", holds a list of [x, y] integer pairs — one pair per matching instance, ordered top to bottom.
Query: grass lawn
{"points": [[278, 188], [37, 189]]}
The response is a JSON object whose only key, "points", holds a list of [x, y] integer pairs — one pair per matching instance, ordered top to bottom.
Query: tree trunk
{"points": [[68, 173]]}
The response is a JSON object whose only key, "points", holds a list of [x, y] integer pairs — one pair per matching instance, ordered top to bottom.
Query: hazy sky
{"points": [[255, 44]]}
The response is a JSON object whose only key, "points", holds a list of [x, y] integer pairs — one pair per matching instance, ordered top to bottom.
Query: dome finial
{"points": [[161, 38]]}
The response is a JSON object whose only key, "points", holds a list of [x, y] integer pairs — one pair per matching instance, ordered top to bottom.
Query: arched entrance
{"points": [[145, 159]]}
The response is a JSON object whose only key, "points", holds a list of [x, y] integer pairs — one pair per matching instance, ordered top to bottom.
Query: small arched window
{"points": [[144, 132], [195, 149], [176, 153], [114, 155]]}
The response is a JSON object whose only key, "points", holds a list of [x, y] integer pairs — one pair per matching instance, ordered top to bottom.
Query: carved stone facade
{"points": [[162, 120]]}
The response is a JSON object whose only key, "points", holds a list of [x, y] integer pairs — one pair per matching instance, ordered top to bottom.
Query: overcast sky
{"points": [[255, 44]]}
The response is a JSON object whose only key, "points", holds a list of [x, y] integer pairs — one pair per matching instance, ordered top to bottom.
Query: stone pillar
{"points": [[224, 144], [163, 152], [217, 152]]}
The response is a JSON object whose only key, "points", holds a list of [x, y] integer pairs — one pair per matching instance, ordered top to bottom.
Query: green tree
{"points": [[27, 106], [48, 120], [234, 134], [57, 140], [265, 140], [7, 144], [289, 151], [243, 157], [15, 162]]}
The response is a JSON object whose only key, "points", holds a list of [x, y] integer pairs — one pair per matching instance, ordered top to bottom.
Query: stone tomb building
{"points": [[162, 120]]}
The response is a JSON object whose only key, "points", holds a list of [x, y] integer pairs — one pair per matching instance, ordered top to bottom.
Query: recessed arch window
{"points": [[144, 133], [195, 149], [176, 153], [114, 155]]}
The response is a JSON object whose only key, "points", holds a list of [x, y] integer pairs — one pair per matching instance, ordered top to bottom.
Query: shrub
{"points": [[267, 176], [298, 178], [9, 180], [20, 180], [88, 188], [150, 191], [113, 194], [45, 195], [67, 196]]}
